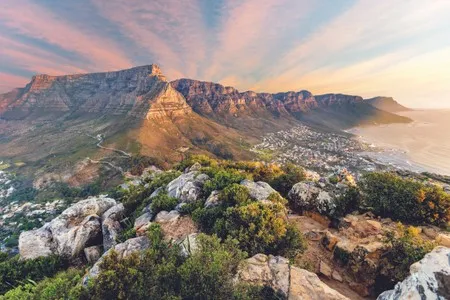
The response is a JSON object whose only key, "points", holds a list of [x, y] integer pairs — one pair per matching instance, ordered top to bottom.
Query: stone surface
{"points": [[187, 187], [258, 190], [308, 196], [213, 200], [165, 216], [142, 223], [111, 227], [68, 234], [443, 239], [329, 240], [188, 244], [123, 250], [92, 254], [325, 269], [336, 276], [429, 279], [292, 282], [305, 285]]}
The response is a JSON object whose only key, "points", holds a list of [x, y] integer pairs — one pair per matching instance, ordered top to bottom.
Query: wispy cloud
{"points": [[30, 19]]}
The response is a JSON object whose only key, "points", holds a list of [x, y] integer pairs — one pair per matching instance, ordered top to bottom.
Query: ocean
{"points": [[423, 145]]}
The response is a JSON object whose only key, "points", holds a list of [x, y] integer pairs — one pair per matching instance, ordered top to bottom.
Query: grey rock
{"points": [[187, 187], [258, 190], [309, 196], [213, 200], [165, 217], [142, 223], [111, 227], [189, 244], [92, 254], [429, 279]]}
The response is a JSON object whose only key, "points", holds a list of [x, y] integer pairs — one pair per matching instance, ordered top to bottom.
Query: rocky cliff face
{"points": [[140, 92], [207, 98]]}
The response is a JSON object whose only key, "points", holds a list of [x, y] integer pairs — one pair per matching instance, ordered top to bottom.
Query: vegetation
{"points": [[406, 200], [163, 202], [406, 248], [14, 271]]}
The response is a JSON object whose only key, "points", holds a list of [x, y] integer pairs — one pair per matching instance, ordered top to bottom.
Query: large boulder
{"points": [[187, 187], [258, 190], [309, 196], [68, 234], [123, 250], [429, 279], [291, 282]]}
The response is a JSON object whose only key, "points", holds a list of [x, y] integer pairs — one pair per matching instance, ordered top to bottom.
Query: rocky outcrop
{"points": [[187, 187], [258, 190], [309, 196], [213, 200], [111, 227], [76, 228], [123, 250], [429, 279], [291, 282]]}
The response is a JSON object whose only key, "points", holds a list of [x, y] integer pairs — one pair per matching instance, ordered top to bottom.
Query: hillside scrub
{"points": [[406, 200]]}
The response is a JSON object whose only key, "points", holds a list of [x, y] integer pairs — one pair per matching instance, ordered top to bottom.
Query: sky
{"points": [[397, 48]]}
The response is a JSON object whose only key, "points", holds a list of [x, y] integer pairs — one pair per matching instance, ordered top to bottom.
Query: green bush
{"points": [[292, 174], [222, 179], [234, 194], [406, 200], [163, 202], [349, 202], [262, 228], [406, 248], [14, 271], [65, 285]]}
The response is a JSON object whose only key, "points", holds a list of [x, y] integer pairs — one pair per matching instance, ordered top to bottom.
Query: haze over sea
{"points": [[423, 145]]}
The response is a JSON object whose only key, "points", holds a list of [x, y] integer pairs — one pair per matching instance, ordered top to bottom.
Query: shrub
{"points": [[292, 174], [222, 179], [234, 194], [406, 200], [163, 202], [348, 202], [262, 228], [406, 248], [14, 271], [65, 285]]}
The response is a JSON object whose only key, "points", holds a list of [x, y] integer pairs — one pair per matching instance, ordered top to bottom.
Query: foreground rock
{"points": [[187, 187], [258, 190], [309, 196], [76, 228], [429, 279], [291, 282]]}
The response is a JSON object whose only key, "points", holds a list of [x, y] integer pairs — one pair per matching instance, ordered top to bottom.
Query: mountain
{"points": [[387, 104], [250, 110], [73, 127]]}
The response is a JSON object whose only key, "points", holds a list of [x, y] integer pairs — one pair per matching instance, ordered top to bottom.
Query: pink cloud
{"points": [[31, 19], [171, 31], [9, 82]]}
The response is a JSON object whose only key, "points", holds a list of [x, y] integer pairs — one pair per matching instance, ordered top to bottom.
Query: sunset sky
{"points": [[398, 48]]}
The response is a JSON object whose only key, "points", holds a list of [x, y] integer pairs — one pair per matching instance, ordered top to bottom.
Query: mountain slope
{"points": [[387, 104]]}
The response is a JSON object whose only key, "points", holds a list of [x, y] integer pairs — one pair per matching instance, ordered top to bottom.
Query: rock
{"points": [[195, 167], [187, 187], [258, 190], [156, 192], [307, 196], [213, 200], [179, 207], [165, 217], [142, 223], [111, 227], [179, 228], [430, 232], [68, 234], [443, 239], [329, 240], [36, 243], [188, 244], [123, 250], [343, 251], [92, 254], [325, 269], [265, 270], [336, 276], [429, 279], [291, 282], [305, 285], [360, 288]]}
